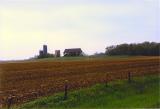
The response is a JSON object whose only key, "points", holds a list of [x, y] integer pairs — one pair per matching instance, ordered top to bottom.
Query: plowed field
{"points": [[29, 80]]}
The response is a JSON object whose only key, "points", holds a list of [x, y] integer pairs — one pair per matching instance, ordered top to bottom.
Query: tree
{"points": [[144, 49]]}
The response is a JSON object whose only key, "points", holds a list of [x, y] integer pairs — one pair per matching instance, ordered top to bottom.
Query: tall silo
{"points": [[45, 49]]}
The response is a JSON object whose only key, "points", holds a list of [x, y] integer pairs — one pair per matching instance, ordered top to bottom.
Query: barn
{"points": [[73, 52]]}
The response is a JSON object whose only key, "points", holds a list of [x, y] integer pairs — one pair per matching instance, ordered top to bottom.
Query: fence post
{"points": [[129, 77], [106, 82], [66, 90], [9, 101]]}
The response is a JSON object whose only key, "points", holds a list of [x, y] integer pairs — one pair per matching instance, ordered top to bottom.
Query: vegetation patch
{"points": [[142, 92]]}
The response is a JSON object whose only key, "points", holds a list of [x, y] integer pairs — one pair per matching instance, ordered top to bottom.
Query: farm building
{"points": [[45, 49], [43, 52], [73, 52], [40, 53], [57, 53]]}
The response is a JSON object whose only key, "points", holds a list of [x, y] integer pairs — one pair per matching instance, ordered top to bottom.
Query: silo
{"points": [[45, 49], [57, 53]]}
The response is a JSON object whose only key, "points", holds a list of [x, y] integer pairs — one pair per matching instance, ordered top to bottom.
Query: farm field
{"points": [[32, 79], [142, 92]]}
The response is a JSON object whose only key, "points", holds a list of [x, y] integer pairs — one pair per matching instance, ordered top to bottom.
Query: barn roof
{"points": [[73, 50]]}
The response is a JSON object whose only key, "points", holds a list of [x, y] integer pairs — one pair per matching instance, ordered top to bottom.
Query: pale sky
{"points": [[25, 25]]}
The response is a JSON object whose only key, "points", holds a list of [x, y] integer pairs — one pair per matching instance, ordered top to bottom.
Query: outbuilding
{"points": [[73, 52]]}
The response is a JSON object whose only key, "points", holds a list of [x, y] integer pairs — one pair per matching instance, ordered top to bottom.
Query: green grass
{"points": [[84, 58], [143, 92]]}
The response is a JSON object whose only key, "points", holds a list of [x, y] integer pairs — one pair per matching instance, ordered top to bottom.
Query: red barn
{"points": [[73, 52]]}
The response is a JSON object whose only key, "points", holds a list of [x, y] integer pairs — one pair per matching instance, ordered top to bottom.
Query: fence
{"points": [[14, 98]]}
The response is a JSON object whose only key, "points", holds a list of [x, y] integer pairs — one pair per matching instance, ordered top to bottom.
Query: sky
{"points": [[25, 25]]}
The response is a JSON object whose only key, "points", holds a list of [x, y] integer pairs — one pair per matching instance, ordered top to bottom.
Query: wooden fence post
{"points": [[129, 77], [106, 82], [66, 90], [9, 101]]}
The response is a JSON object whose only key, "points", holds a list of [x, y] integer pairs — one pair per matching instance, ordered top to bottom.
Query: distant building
{"points": [[45, 49], [44, 52], [73, 52], [41, 53], [57, 53]]}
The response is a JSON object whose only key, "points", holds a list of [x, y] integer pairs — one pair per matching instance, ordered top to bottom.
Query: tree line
{"points": [[144, 49]]}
